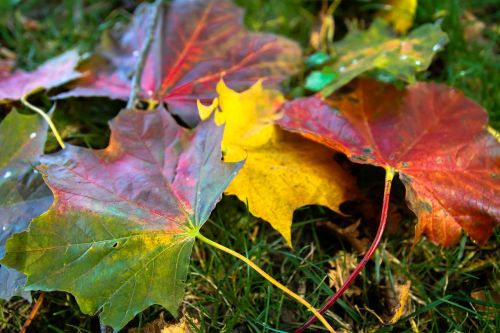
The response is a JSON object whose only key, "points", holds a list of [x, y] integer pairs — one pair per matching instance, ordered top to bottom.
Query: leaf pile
{"points": [[115, 227]]}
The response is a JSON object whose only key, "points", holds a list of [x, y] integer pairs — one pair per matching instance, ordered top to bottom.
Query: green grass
{"points": [[223, 294]]}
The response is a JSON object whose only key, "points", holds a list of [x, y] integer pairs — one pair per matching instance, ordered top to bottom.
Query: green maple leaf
{"points": [[377, 48], [120, 232]]}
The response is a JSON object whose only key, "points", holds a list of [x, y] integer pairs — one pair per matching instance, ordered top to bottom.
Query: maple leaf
{"points": [[195, 44], [377, 48], [53, 73], [434, 136], [282, 171], [23, 194], [119, 234]]}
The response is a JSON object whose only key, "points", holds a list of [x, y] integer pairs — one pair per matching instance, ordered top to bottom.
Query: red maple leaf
{"points": [[195, 44], [431, 134]]}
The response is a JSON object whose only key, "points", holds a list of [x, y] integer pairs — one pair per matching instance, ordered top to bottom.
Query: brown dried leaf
{"points": [[350, 234], [342, 266], [161, 326]]}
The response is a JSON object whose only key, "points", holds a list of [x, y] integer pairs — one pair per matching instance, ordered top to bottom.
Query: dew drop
{"points": [[436, 47], [135, 53], [403, 57], [354, 61], [418, 62], [342, 69], [150, 92], [33, 135], [7, 175], [4, 228]]}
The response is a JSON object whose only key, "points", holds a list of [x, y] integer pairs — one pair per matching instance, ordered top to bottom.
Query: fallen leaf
{"points": [[400, 13], [27, 23], [473, 28], [197, 42], [377, 48], [6, 66], [51, 74], [431, 134], [282, 171], [23, 194], [120, 232], [350, 234], [341, 267], [12, 283], [404, 294], [489, 299], [154, 326], [161, 326], [182, 327]]}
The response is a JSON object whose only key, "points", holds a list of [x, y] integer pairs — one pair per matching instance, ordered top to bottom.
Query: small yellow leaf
{"points": [[400, 14], [282, 171], [404, 293]]}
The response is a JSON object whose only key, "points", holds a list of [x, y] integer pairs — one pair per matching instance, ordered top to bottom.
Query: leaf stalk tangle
{"points": [[389, 175], [317, 315]]}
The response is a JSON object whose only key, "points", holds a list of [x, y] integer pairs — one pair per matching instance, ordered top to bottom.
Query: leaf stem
{"points": [[139, 68], [46, 118], [494, 132], [389, 175], [268, 278], [33, 312]]}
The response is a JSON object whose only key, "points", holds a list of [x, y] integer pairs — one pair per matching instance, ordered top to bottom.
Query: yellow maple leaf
{"points": [[400, 14], [282, 171]]}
